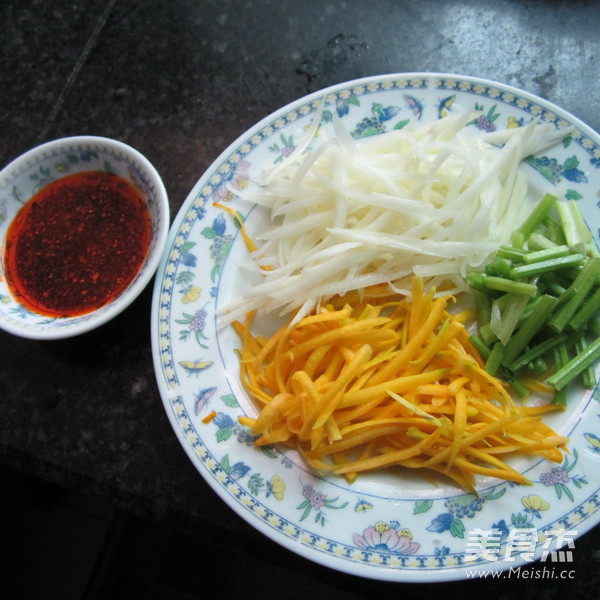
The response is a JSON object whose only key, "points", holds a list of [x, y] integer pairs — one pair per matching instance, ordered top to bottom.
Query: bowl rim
{"points": [[95, 319]]}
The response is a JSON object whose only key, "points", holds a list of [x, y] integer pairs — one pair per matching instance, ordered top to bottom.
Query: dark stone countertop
{"points": [[179, 81]]}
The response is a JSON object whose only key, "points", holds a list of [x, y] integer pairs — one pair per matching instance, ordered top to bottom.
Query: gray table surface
{"points": [[180, 80]]}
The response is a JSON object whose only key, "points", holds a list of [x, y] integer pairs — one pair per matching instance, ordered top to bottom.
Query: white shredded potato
{"points": [[436, 200]]}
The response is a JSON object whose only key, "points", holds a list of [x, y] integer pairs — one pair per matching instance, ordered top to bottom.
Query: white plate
{"points": [[383, 526]]}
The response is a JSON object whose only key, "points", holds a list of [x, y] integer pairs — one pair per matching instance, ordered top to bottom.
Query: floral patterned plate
{"points": [[384, 526]]}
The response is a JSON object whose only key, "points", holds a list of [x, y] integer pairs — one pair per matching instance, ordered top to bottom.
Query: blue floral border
{"points": [[578, 515]]}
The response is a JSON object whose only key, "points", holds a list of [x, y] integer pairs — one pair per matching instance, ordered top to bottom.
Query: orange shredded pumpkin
{"points": [[376, 382]]}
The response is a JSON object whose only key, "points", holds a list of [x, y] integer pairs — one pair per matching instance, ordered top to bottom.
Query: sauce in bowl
{"points": [[77, 244]]}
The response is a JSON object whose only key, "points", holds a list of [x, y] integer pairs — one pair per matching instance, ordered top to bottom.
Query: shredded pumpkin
{"points": [[370, 381]]}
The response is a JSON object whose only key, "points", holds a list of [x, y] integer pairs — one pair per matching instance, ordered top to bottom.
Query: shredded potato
{"points": [[434, 201], [368, 384]]}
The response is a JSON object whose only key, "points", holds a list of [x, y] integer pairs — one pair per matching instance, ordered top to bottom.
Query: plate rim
{"points": [[377, 573]]}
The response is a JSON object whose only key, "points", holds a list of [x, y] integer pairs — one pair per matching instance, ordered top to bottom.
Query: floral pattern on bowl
{"points": [[25, 176]]}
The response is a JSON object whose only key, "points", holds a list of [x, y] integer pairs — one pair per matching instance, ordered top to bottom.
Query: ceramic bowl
{"points": [[29, 173]]}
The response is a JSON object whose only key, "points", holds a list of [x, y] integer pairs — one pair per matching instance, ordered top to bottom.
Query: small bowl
{"points": [[29, 173]]}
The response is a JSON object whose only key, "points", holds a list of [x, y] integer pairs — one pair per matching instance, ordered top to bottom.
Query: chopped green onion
{"points": [[537, 215], [555, 233], [577, 234], [538, 241], [511, 253], [546, 254], [499, 267], [535, 268], [588, 276], [477, 282], [545, 283], [502, 284], [554, 288], [577, 293], [531, 304], [483, 305], [586, 311], [506, 314], [563, 315], [593, 325], [487, 335], [524, 335], [481, 346], [537, 351], [561, 358], [494, 360], [537, 366], [575, 366], [588, 376], [517, 385]]}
